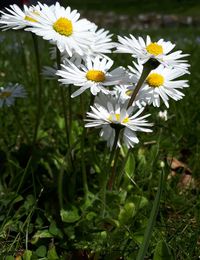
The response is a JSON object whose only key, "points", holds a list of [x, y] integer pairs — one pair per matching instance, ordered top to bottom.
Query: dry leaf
{"points": [[179, 168]]}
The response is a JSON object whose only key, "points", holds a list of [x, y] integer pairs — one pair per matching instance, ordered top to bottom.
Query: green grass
{"points": [[37, 180]]}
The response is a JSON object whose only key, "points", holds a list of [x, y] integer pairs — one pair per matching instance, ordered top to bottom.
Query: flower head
{"points": [[16, 18], [62, 27], [160, 50], [93, 75], [160, 84], [9, 93], [108, 113]]}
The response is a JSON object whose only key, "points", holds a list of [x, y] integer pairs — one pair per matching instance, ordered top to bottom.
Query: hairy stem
{"points": [[147, 68], [39, 88]]}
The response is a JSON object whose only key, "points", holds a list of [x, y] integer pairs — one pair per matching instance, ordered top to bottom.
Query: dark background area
{"points": [[138, 6]]}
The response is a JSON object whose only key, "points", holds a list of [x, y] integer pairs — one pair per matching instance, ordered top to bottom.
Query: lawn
{"points": [[52, 187]]}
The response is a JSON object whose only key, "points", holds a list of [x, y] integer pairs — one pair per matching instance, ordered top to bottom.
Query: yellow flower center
{"points": [[63, 26], [154, 48], [96, 75], [155, 80], [5, 94], [116, 118]]}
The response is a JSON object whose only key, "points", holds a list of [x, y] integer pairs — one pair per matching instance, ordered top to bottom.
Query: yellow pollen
{"points": [[30, 19], [63, 26], [154, 48], [96, 75], [155, 80], [129, 93], [5, 94], [116, 118], [126, 120]]}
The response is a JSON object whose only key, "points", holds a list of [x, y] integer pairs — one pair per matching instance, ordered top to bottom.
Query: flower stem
{"points": [[147, 68], [39, 89], [63, 102], [70, 109], [117, 132], [109, 167], [84, 173], [113, 174], [152, 219]]}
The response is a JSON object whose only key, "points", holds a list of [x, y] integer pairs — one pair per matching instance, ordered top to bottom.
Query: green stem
{"points": [[147, 68], [39, 89], [63, 102], [70, 109], [117, 132], [109, 167], [121, 170], [84, 173], [113, 174], [60, 187], [152, 220]]}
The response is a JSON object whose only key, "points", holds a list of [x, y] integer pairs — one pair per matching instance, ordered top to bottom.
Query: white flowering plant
{"points": [[87, 187]]}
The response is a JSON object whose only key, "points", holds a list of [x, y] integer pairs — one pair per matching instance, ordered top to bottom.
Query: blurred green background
{"points": [[187, 7]]}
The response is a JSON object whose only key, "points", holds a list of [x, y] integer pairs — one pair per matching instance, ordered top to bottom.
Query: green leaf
{"points": [[130, 165], [139, 201], [127, 213], [91, 215], [70, 216], [151, 220], [54, 230], [41, 234], [138, 236], [41, 251], [162, 252], [27, 255], [52, 255], [9, 257]]}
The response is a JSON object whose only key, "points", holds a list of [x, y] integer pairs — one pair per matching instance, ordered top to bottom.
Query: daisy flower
{"points": [[15, 18], [62, 27], [101, 43], [159, 50], [94, 75], [160, 84], [9, 93], [108, 114]]}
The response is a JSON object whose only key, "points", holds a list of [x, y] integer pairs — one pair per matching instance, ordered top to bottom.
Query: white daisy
{"points": [[15, 18], [62, 27], [101, 43], [159, 50], [94, 75], [160, 84], [9, 93], [109, 114]]}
